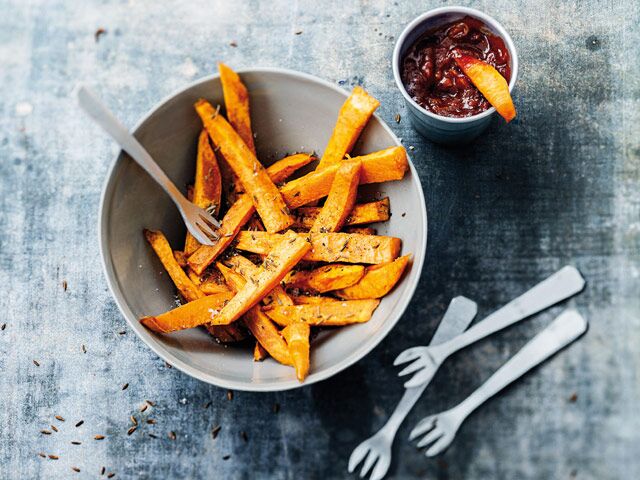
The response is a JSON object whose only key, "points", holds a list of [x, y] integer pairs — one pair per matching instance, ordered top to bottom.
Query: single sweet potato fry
{"points": [[491, 84], [236, 102], [354, 115], [383, 166], [258, 185], [207, 186], [341, 199], [240, 213], [362, 213], [360, 230], [329, 247], [279, 261], [325, 278], [377, 281], [183, 283], [311, 299], [328, 314], [189, 315], [257, 322], [297, 337], [259, 352]]}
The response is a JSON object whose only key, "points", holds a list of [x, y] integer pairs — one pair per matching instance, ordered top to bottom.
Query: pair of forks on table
{"points": [[439, 430]]}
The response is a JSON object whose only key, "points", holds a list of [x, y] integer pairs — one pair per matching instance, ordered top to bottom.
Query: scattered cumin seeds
{"points": [[298, 32], [397, 118], [64, 285], [123, 332], [36, 363], [125, 386], [229, 395], [143, 407], [58, 417], [133, 420], [151, 421], [79, 423], [53, 427], [131, 430], [215, 431], [45, 432], [172, 435], [99, 437], [76, 443], [54, 457], [226, 457], [75, 469], [102, 470], [111, 475]]}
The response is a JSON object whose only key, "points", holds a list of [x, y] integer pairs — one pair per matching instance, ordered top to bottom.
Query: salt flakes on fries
{"points": [[317, 265]]}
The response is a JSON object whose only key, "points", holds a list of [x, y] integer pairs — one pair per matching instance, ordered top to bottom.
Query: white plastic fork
{"points": [[199, 222], [426, 360], [441, 428], [376, 450]]}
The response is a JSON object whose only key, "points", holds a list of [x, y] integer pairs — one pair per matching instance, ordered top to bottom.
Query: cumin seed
{"points": [[397, 117], [64, 285], [4, 325], [84, 349], [35, 362], [125, 386], [229, 395], [151, 404], [144, 407], [58, 417], [133, 420], [151, 421], [79, 423], [53, 427], [131, 430], [215, 431], [45, 432], [152, 435], [172, 435], [99, 437], [76, 443], [42, 455], [54, 457], [226, 457], [75, 469], [102, 470], [111, 475]]}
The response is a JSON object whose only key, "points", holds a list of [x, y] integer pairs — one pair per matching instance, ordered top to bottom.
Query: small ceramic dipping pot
{"points": [[438, 128]]}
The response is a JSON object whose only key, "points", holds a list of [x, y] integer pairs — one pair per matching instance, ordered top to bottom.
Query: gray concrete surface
{"points": [[558, 186]]}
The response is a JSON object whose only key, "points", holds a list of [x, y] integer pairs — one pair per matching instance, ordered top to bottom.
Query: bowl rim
{"points": [[416, 22], [108, 187]]}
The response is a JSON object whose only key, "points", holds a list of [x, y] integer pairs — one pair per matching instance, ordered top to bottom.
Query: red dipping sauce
{"points": [[434, 80]]}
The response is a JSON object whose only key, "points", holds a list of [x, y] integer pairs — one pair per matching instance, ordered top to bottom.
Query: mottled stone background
{"points": [[559, 185]]}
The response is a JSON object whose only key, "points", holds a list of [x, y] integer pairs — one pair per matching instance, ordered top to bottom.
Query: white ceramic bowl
{"points": [[291, 112], [438, 128]]}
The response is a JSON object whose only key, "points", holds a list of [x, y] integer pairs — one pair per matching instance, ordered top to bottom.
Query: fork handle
{"points": [[110, 124], [563, 284], [566, 328]]}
